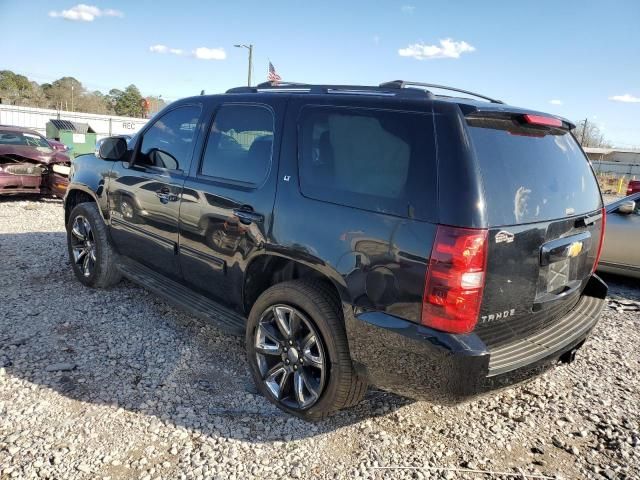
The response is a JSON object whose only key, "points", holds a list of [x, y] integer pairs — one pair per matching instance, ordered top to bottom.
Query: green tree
{"points": [[14, 88], [61, 92], [68, 92], [113, 96], [36, 97], [94, 102], [129, 104]]}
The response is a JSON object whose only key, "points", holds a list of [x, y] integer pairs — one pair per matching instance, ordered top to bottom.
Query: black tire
{"points": [[103, 272], [342, 385]]}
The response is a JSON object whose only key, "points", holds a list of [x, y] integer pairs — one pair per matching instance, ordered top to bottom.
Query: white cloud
{"points": [[408, 9], [85, 13], [158, 48], [448, 48], [202, 53], [626, 98], [555, 102]]}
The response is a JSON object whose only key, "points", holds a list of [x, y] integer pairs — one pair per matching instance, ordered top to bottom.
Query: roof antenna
{"points": [[201, 92]]}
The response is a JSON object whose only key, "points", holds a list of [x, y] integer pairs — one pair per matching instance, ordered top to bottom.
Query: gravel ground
{"points": [[117, 384]]}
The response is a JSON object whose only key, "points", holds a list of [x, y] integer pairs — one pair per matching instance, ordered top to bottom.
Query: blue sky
{"points": [[579, 53]]}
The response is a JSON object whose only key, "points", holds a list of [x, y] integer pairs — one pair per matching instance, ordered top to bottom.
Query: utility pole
{"points": [[250, 48], [250, 65], [72, 99], [584, 131]]}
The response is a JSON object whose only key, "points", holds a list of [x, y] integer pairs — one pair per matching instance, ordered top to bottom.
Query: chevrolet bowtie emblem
{"points": [[575, 249]]}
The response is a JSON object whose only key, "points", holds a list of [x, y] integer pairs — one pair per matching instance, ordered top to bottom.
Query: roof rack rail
{"points": [[401, 84], [280, 86], [285, 87]]}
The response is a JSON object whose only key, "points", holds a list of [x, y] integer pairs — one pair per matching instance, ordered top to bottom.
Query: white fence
{"points": [[37, 118]]}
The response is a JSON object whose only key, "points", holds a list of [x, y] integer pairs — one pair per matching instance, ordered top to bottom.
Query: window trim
{"points": [[348, 108], [149, 126], [230, 182]]}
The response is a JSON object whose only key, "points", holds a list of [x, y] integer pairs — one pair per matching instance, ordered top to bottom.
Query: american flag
{"points": [[273, 76]]}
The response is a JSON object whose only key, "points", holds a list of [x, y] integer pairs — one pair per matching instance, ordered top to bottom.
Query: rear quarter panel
{"points": [[377, 261]]}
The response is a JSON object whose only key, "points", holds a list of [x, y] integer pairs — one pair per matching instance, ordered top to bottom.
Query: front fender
{"points": [[91, 176]]}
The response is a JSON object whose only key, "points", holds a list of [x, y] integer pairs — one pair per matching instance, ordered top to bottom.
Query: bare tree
{"points": [[589, 135]]}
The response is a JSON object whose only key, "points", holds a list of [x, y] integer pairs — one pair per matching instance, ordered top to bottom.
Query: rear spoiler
{"points": [[530, 117]]}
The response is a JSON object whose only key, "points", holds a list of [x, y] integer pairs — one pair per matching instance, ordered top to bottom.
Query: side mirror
{"points": [[113, 148], [627, 207]]}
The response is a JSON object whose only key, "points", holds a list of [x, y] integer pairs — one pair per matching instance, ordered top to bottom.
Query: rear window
{"points": [[26, 139], [377, 160], [531, 174]]}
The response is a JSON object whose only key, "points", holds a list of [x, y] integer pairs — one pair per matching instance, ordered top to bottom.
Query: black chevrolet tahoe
{"points": [[435, 246]]}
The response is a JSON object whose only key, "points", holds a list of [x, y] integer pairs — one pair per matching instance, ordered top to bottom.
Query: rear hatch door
{"points": [[544, 212]]}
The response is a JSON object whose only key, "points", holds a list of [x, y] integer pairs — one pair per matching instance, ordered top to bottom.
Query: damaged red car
{"points": [[30, 164]]}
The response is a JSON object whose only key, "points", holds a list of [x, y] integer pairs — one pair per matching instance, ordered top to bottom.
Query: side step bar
{"points": [[184, 298]]}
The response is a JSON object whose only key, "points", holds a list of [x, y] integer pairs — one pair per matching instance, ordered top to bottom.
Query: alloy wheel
{"points": [[83, 245], [290, 356]]}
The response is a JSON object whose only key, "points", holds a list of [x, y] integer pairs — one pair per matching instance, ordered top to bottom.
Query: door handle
{"points": [[165, 195], [247, 217]]}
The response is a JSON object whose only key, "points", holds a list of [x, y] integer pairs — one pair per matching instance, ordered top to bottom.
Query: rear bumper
{"points": [[422, 363]]}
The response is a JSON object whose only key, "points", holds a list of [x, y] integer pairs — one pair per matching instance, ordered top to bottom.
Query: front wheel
{"points": [[90, 252], [298, 351]]}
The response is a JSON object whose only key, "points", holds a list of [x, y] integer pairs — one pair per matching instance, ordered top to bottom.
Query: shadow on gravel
{"points": [[619, 285], [126, 348]]}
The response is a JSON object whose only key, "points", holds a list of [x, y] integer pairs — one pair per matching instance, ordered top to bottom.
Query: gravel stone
{"points": [[116, 384]]}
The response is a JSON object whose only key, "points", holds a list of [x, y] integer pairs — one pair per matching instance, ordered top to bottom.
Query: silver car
{"points": [[621, 249]]}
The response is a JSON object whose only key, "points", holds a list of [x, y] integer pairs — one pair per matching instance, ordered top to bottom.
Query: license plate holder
{"points": [[558, 275]]}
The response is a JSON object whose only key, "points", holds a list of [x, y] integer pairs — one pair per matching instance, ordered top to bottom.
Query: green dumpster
{"points": [[79, 137]]}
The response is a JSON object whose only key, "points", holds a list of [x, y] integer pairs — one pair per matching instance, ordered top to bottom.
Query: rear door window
{"points": [[240, 144], [377, 160], [531, 174]]}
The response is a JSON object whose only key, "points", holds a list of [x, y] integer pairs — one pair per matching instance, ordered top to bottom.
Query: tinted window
{"points": [[169, 141], [240, 144], [376, 160], [531, 174]]}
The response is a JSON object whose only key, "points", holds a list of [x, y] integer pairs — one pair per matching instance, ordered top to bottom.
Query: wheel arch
{"points": [[77, 194], [269, 269]]}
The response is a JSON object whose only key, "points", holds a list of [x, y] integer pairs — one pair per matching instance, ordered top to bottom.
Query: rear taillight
{"points": [[603, 226], [455, 279]]}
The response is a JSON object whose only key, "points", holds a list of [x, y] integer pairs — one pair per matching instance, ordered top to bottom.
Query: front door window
{"points": [[169, 142]]}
